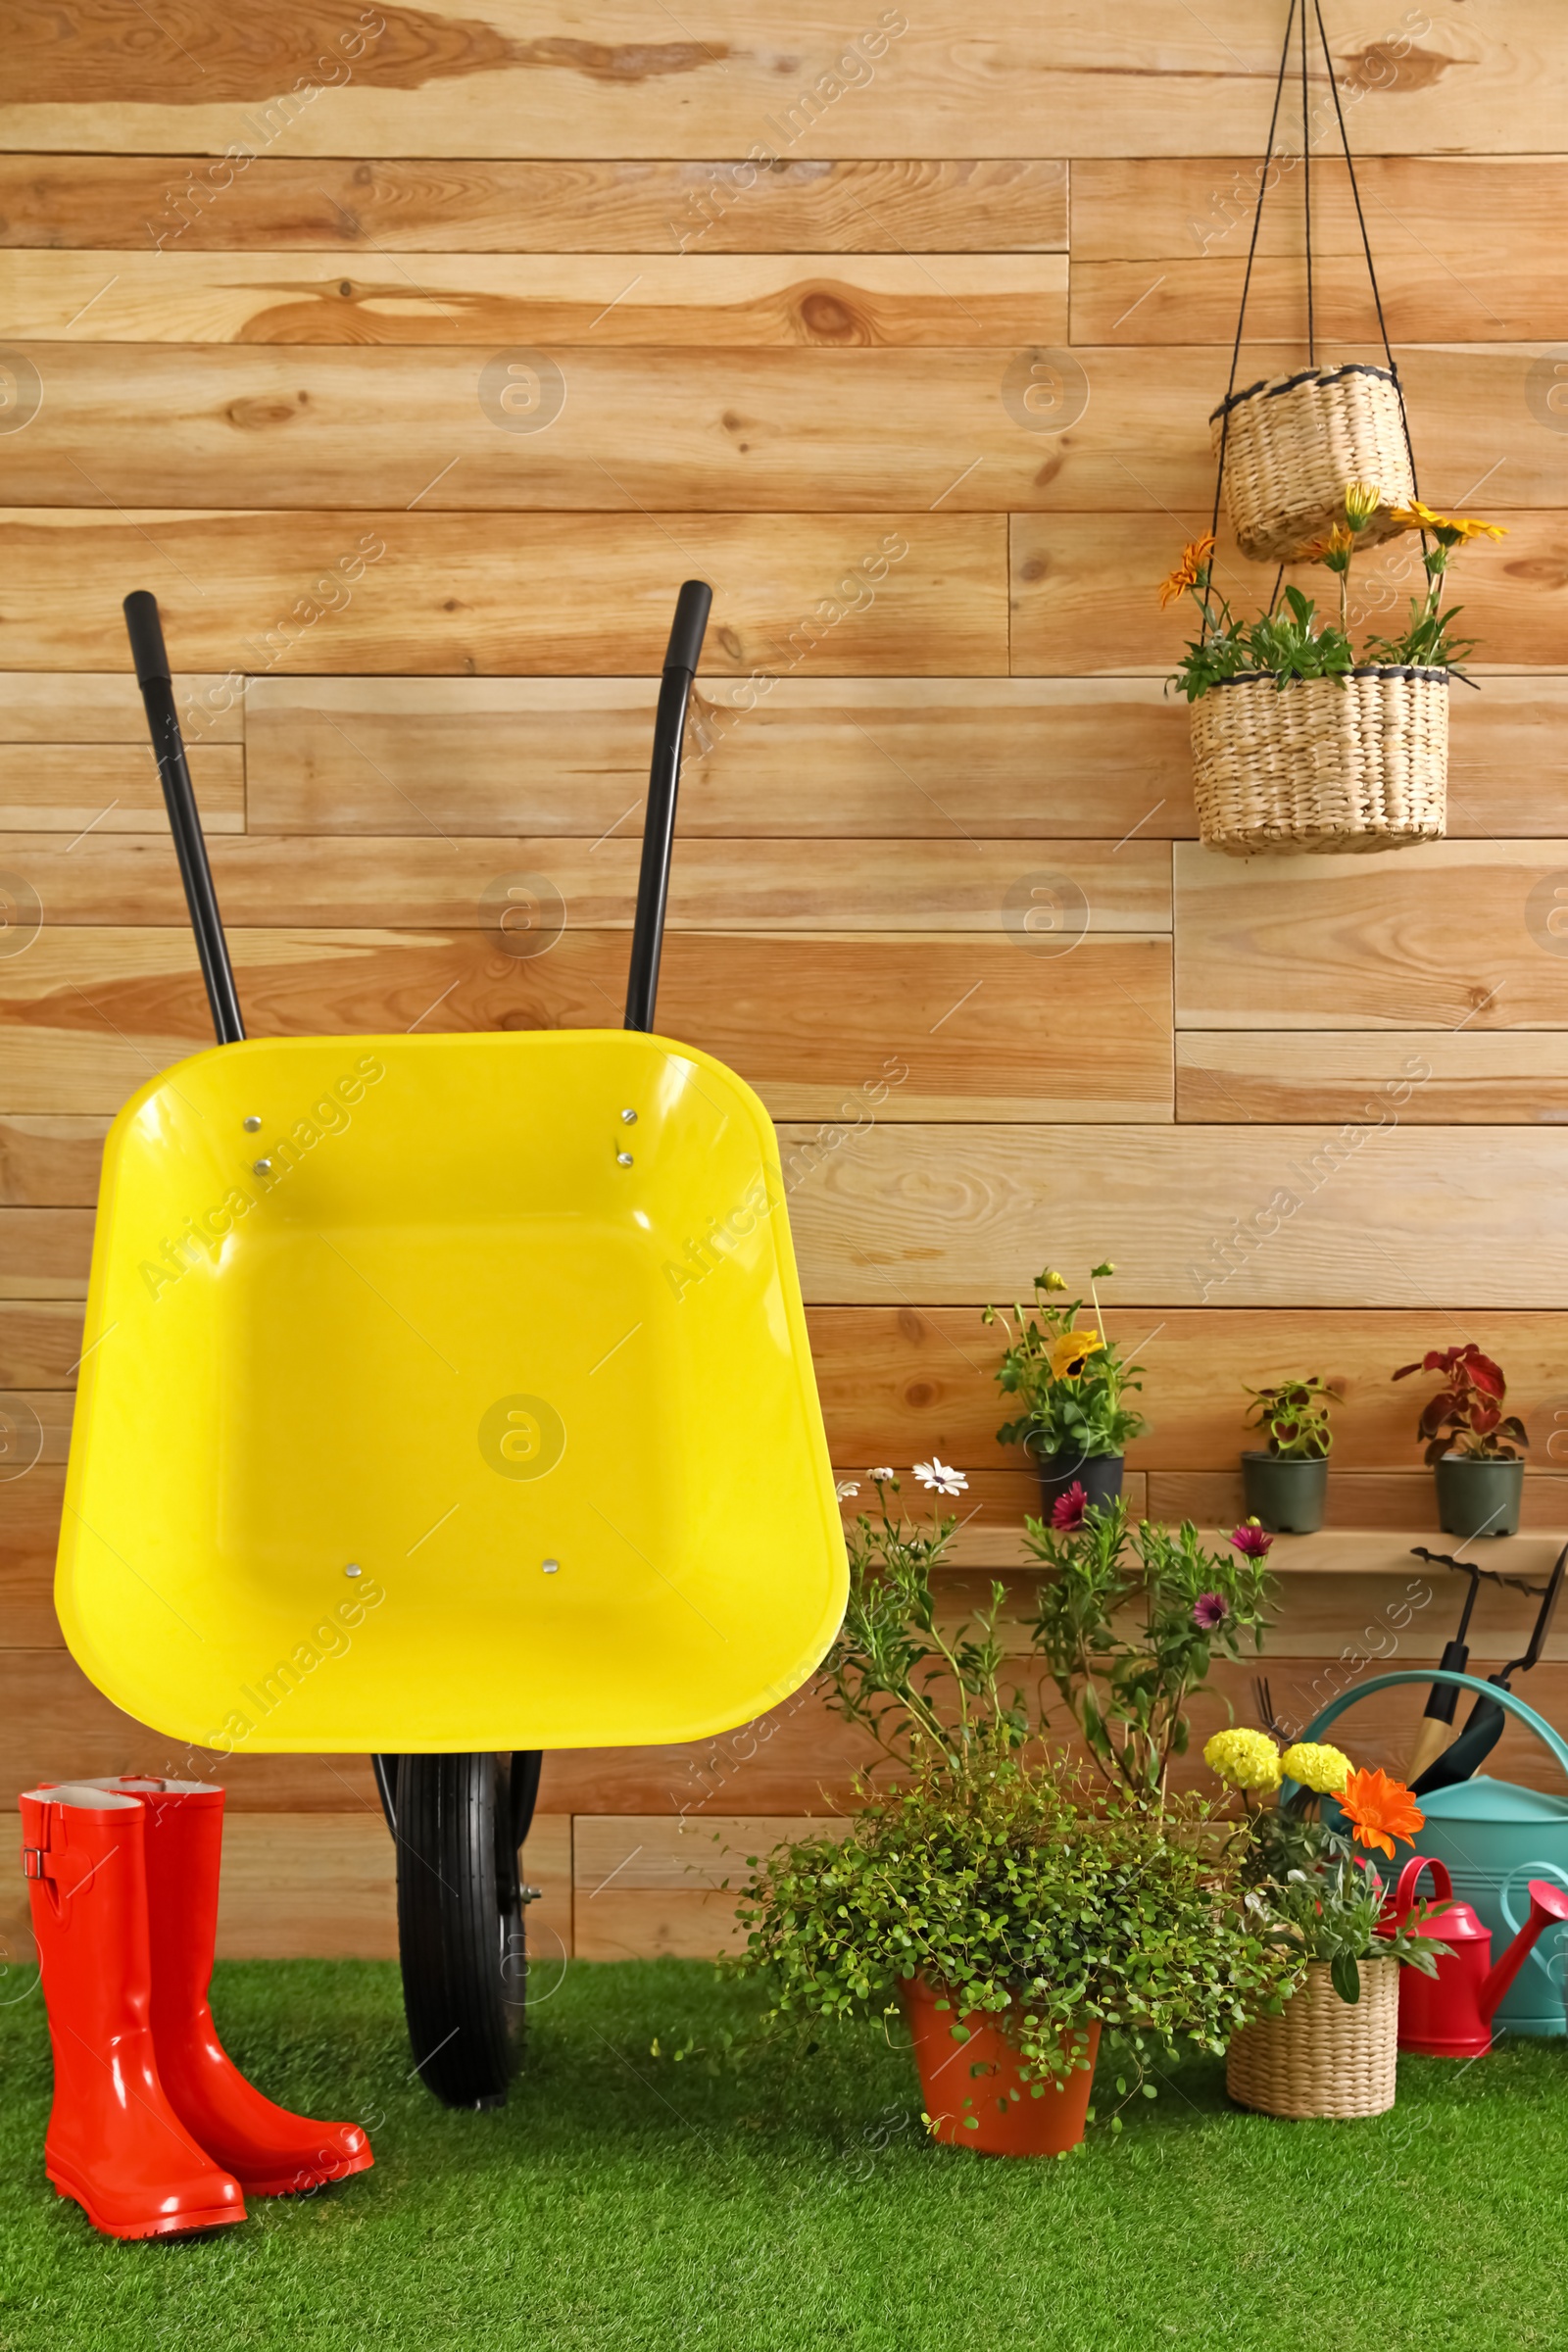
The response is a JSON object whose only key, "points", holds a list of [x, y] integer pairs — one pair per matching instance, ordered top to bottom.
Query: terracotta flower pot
{"points": [[973, 2092]]}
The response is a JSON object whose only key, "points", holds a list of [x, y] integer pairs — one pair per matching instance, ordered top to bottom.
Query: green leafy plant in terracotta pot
{"points": [[1072, 1383], [1473, 1447], [1286, 1480], [1014, 1906]]}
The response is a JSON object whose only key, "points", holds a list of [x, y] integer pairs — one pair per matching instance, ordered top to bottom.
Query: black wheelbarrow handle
{"points": [[163, 719], [663, 782]]}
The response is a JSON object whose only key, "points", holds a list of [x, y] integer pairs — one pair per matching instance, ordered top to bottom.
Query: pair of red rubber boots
{"points": [[154, 2131]]}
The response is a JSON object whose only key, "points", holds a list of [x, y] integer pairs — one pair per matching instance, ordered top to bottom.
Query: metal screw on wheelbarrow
{"points": [[248, 1389]]}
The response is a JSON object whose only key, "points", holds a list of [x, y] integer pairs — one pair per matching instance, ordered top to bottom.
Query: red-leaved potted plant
{"points": [[1472, 1445]]}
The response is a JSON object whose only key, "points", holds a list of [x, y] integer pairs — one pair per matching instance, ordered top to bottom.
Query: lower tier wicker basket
{"points": [[1292, 442], [1322, 763], [1321, 2057]]}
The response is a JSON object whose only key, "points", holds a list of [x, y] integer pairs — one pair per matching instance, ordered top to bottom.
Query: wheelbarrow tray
{"points": [[557, 1410]]}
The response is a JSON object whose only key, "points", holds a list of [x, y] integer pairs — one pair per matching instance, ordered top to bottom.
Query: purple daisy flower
{"points": [[1067, 1511], [1210, 1609]]}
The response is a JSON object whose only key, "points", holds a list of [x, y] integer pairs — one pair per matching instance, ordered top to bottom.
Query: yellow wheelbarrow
{"points": [[445, 1398]]}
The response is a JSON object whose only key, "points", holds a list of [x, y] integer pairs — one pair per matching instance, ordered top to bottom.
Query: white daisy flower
{"points": [[940, 1477], [879, 1478], [846, 1487]]}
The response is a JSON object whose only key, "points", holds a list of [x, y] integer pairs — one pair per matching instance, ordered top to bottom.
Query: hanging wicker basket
{"points": [[1288, 446], [1321, 765], [1321, 2057]]}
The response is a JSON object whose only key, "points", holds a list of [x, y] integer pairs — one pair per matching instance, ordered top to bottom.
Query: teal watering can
{"points": [[1494, 1837]]}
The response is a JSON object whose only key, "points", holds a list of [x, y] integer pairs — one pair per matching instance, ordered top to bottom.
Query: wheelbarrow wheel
{"points": [[459, 1822]]}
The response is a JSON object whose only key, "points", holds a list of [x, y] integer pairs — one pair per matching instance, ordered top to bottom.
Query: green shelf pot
{"points": [[1290, 1496], [1477, 1498]]}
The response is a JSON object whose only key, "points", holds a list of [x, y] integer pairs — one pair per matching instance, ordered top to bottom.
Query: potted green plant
{"points": [[1304, 740], [1072, 1383], [1472, 1445], [1285, 1481], [1013, 1905], [1330, 2049]]}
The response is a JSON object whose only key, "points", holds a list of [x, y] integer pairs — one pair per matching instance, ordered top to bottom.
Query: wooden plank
{"points": [[454, 78], [283, 203], [1160, 248], [666, 298], [850, 431], [443, 592], [1084, 601], [105, 707], [859, 756], [865, 756], [72, 787], [816, 886], [1447, 933], [921, 1026], [1476, 1078], [50, 1163], [1286, 1217], [44, 1252], [41, 1344], [899, 1384], [53, 1725], [324, 1887], [649, 1888]]}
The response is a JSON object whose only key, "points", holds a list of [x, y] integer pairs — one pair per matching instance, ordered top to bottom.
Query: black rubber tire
{"points": [[460, 1924]]}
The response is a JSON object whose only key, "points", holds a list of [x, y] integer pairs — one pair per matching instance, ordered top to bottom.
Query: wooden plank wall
{"points": [[413, 356]]}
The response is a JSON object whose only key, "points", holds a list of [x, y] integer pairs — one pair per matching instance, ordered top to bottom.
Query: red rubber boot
{"points": [[115, 2143], [270, 2153]]}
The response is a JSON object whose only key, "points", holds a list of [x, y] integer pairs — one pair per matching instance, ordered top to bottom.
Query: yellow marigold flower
{"points": [[1362, 501], [1451, 529], [1195, 557], [1071, 1350], [1243, 1759], [1318, 1767]]}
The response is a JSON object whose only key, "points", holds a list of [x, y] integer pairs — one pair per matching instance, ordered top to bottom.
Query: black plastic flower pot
{"points": [[1099, 1475], [1290, 1496], [1477, 1496]]}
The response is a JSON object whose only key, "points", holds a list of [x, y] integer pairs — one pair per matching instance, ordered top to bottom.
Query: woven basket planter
{"points": [[1294, 442], [1322, 763], [1320, 2057]]}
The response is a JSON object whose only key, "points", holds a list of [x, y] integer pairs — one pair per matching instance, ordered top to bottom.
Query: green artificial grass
{"points": [[622, 2202]]}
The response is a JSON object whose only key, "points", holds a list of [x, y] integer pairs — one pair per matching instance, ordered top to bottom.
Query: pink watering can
{"points": [[1450, 2015]]}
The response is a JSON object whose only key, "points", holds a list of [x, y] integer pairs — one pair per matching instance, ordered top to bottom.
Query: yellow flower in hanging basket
{"points": [[1362, 503], [1451, 529], [1071, 1350]]}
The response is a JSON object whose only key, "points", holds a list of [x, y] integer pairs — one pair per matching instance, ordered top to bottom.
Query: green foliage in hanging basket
{"points": [[1289, 643]]}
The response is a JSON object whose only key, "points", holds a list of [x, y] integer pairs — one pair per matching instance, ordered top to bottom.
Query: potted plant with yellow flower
{"points": [[1301, 740], [1071, 1382], [1331, 2048]]}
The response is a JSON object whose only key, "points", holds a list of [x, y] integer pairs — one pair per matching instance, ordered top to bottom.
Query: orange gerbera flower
{"points": [[1195, 557], [1380, 1810]]}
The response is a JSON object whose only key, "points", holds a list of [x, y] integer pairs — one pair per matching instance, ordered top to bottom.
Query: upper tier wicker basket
{"points": [[1290, 444], [1286, 447]]}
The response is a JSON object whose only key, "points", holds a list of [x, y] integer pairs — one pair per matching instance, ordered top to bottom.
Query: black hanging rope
{"points": [[1247, 282]]}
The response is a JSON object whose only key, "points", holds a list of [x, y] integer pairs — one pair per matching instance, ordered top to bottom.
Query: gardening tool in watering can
{"points": [[1433, 1763], [1494, 1837], [1450, 2015]]}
